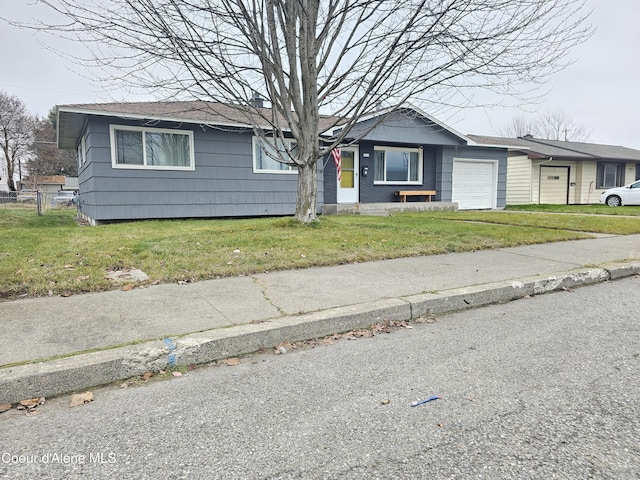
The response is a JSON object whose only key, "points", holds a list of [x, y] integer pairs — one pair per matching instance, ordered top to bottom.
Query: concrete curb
{"points": [[61, 376]]}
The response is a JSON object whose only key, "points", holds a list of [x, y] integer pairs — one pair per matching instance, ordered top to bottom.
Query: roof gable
{"points": [[403, 125]]}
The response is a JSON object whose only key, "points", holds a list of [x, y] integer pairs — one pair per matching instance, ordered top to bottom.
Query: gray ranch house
{"points": [[155, 160], [561, 172]]}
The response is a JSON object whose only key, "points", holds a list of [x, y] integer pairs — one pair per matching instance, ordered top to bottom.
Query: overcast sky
{"points": [[600, 90]]}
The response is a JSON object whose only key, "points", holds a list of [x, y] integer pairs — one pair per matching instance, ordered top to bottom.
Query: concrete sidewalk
{"points": [[51, 346]]}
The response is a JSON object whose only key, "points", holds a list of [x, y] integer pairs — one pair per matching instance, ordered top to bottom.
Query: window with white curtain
{"points": [[153, 148]]}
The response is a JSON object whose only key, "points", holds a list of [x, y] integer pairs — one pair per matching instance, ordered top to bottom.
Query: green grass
{"points": [[584, 209], [578, 223], [52, 254]]}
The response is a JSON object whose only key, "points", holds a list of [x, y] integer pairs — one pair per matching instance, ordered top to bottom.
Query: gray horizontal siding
{"points": [[405, 128], [445, 169], [223, 183], [371, 193]]}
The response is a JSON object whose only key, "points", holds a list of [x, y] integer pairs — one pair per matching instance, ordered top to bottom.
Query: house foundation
{"points": [[384, 209]]}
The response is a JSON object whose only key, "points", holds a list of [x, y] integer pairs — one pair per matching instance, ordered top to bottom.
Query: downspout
{"points": [[591, 185]]}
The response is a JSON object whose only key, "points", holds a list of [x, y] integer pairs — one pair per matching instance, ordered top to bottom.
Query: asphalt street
{"points": [[543, 387]]}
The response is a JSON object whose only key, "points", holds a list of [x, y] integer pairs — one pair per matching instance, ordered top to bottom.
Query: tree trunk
{"points": [[10, 169], [11, 180], [307, 193]]}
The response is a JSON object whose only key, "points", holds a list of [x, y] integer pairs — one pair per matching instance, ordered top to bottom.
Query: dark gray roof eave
{"points": [[559, 150]]}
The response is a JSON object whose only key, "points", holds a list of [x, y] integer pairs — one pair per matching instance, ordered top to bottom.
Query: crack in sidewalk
{"points": [[263, 291]]}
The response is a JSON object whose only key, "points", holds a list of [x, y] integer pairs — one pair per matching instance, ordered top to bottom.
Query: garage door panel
{"points": [[474, 184], [554, 185]]}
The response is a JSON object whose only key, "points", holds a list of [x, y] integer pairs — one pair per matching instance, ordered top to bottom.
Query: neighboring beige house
{"points": [[552, 171]]}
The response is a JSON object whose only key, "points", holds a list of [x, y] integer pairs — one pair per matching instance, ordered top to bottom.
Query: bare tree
{"points": [[339, 58], [552, 125], [557, 125], [519, 127], [15, 135], [47, 158]]}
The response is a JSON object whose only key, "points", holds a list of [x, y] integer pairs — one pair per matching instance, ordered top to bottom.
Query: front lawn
{"points": [[596, 209], [575, 222], [53, 255]]}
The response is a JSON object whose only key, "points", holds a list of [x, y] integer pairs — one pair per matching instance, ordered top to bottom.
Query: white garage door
{"points": [[474, 184]]}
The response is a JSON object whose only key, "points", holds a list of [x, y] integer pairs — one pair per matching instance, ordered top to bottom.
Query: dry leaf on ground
{"points": [[127, 287], [428, 319], [232, 362], [176, 374], [146, 376], [81, 399], [30, 403], [5, 407]]}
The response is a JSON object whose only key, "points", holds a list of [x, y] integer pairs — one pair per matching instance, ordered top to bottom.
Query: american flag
{"points": [[335, 153]]}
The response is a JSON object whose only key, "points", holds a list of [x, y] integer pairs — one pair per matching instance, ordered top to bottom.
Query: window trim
{"points": [[254, 143], [82, 151], [114, 152], [420, 180]]}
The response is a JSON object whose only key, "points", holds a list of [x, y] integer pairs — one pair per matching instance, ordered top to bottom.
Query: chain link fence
{"points": [[38, 201]]}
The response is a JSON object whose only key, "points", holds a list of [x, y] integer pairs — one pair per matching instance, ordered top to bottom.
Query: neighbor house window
{"points": [[154, 148], [265, 154], [397, 165], [609, 175]]}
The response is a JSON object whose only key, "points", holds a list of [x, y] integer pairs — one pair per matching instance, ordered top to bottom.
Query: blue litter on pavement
{"points": [[426, 400]]}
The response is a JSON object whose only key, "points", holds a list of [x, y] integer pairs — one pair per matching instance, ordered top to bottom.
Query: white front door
{"points": [[347, 177]]}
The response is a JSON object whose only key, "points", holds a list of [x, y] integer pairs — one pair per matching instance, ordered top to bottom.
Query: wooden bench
{"points": [[427, 194]]}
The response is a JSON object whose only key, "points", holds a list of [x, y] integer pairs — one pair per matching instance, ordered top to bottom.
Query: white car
{"points": [[627, 195]]}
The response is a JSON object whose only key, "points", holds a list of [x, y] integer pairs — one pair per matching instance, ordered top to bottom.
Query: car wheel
{"points": [[614, 201]]}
